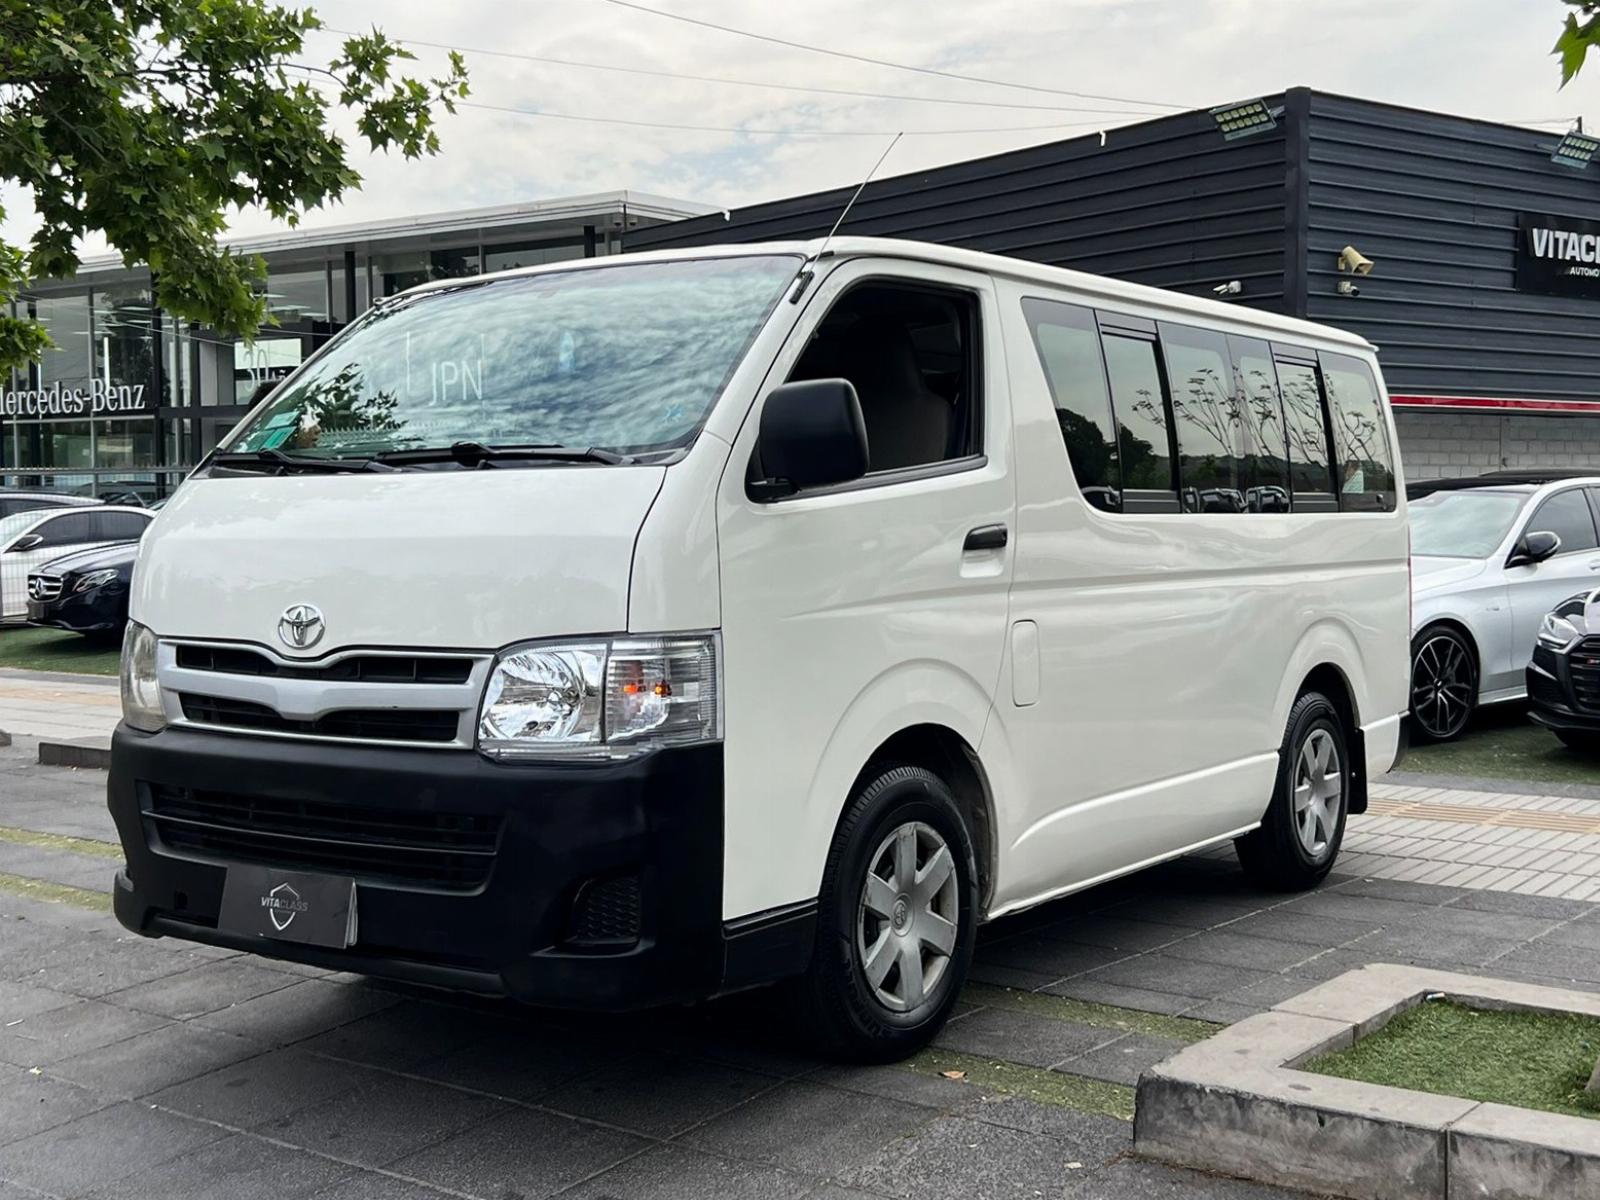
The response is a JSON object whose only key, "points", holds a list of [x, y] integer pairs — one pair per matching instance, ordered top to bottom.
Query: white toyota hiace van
{"points": [[639, 630]]}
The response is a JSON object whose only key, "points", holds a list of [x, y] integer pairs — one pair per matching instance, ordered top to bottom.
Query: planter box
{"points": [[1235, 1104]]}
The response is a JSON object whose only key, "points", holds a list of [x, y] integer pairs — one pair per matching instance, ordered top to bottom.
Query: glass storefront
{"points": [[128, 390]]}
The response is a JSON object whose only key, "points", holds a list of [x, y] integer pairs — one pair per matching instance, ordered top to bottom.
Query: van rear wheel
{"points": [[1299, 837], [896, 921]]}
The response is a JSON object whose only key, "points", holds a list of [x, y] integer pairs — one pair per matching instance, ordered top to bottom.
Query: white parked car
{"points": [[30, 539], [1490, 557], [637, 631]]}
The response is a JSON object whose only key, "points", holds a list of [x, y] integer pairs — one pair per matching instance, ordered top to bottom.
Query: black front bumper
{"points": [[96, 611], [1553, 696], [656, 821]]}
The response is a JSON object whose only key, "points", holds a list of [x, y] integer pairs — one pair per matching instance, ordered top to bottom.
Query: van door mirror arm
{"points": [[765, 491]]}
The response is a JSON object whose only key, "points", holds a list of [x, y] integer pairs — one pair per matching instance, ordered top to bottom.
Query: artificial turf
{"points": [[52, 650], [1502, 743], [1525, 1059]]}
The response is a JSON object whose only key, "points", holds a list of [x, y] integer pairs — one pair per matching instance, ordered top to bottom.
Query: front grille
{"points": [[43, 587], [1583, 664], [357, 668], [1542, 690], [365, 724], [450, 851], [606, 912]]}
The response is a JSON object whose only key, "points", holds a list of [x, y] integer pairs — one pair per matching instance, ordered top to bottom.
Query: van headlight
{"points": [[1557, 632], [141, 693], [601, 698]]}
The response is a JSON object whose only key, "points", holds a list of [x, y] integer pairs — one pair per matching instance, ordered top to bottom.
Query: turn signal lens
{"points": [[663, 689], [141, 691]]}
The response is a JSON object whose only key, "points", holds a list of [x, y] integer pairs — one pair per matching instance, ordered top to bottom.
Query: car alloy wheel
{"points": [[1443, 686], [1318, 793], [908, 917]]}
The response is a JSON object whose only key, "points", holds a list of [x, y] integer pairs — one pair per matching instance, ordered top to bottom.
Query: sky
{"points": [[1480, 58]]}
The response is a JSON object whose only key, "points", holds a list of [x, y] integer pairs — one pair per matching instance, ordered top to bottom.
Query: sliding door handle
{"points": [[985, 537]]}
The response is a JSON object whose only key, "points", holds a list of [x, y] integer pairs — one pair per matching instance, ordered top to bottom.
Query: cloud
{"points": [[1480, 58]]}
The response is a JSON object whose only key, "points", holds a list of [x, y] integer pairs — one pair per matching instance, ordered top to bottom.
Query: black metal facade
{"points": [[1432, 199], [1165, 202]]}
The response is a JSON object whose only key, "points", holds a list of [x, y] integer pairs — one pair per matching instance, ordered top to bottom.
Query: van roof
{"points": [[1175, 303]]}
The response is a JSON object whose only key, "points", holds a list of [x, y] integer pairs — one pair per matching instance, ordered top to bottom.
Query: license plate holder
{"points": [[290, 906]]}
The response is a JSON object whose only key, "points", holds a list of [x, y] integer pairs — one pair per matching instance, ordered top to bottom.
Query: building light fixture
{"points": [[1245, 118], [1575, 149]]}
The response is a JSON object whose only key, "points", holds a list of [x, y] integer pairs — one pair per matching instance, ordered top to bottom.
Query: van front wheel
{"points": [[1299, 837], [896, 920]]}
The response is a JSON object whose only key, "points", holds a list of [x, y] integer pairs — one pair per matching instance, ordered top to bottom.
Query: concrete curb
{"points": [[94, 753], [1235, 1104]]}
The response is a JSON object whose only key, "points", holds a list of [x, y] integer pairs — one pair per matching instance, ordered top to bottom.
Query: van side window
{"points": [[1068, 343], [912, 353], [1138, 400], [1206, 412], [1360, 435], [1263, 444], [1310, 469]]}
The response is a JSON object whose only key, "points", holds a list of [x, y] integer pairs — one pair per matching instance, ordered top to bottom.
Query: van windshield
{"points": [[627, 358], [1464, 524]]}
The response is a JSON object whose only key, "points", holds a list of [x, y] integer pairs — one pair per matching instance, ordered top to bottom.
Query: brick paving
{"points": [[42, 704], [133, 1068]]}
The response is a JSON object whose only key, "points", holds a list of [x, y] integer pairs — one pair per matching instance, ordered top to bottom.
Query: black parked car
{"points": [[86, 592], [1564, 676]]}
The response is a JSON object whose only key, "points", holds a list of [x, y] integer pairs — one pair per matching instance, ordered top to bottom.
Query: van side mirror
{"points": [[812, 435], [25, 543], [1533, 548]]}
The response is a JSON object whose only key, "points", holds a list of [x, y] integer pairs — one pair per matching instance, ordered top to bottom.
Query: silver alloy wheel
{"points": [[1441, 686], [1318, 793], [909, 913]]}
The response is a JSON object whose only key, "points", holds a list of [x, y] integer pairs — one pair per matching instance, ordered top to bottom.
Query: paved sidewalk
{"points": [[39, 704], [1499, 841], [133, 1068]]}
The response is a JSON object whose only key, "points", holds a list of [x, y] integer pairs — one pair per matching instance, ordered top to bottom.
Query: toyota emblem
{"points": [[300, 627]]}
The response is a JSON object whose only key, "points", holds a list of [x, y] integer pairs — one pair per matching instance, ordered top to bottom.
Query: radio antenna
{"points": [[803, 280]]}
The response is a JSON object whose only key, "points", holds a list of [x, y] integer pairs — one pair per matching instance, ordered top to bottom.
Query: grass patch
{"points": [[52, 650], [1503, 744], [60, 841], [56, 893], [1100, 1016], [1527, 1059], [1031, 1083]]}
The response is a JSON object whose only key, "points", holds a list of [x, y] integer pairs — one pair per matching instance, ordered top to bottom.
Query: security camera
{"points": [[1351, 259], [1347, 287], [1232, 288]]}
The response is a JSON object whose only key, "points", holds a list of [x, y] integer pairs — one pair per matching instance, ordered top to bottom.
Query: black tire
{"points": [[1444, 684], [1583, 743], [1275, 855], [837, 1009]]}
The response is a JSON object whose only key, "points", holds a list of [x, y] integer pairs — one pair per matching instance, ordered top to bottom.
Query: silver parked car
{"points": [[1489, 558]]}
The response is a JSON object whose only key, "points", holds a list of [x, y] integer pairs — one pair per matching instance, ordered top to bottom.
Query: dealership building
{"points": [[1483, 296], [130, 396]]}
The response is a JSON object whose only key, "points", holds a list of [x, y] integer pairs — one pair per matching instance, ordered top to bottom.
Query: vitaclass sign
{"points": [[1559, 255], [98, 399]]}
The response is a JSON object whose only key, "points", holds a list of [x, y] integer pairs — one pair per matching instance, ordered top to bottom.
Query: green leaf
{"points": [[181, 111]]}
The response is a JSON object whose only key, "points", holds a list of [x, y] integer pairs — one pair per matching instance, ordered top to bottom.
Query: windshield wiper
{"points": [[476, 454], [294, 462]]}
